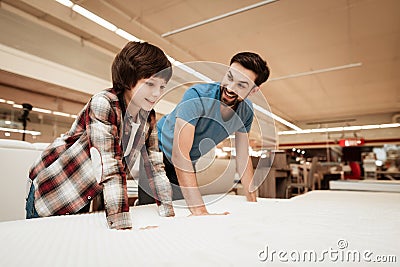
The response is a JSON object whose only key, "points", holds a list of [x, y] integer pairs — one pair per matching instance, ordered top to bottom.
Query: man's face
{"points": [[237, 84]]}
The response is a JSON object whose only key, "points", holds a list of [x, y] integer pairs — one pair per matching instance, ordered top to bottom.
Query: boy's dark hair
{"points": [[139, 60], [254, 62]]}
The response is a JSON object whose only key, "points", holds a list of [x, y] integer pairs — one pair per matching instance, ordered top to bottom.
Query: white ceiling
{"points": [[293, 36]]}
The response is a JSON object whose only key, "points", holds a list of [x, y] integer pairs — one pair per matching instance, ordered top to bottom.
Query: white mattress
{"points": [[366, 185], [315, 221]]}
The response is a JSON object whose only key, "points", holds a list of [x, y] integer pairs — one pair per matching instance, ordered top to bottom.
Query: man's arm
{"points": [[182, 144], [244, 165]]}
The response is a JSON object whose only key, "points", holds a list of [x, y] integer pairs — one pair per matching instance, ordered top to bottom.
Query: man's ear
{"points": [[254, 90]]}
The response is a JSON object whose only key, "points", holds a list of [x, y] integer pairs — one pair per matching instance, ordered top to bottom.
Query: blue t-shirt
{"points": [[200, 106]]}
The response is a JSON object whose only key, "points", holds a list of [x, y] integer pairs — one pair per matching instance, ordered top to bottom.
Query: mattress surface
{"points": [[253, 234]]}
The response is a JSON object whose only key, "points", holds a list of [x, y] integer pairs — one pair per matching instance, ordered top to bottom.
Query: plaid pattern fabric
{"points": [[63, 176]]}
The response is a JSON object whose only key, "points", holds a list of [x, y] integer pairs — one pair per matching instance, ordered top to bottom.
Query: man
{"points": [[208, 114]]}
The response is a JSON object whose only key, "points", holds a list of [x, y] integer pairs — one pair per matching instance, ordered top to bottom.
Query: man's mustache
{"points": [[225, 89]]}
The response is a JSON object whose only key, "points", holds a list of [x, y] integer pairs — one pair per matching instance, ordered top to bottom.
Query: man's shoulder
{"points": [[203, 89], [248, 103]]}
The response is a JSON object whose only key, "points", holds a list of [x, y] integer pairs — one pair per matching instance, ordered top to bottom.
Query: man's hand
{"points": [[244, 165], [251, 197], [202, 211], [206, 214], [148, 227], [141, 228]]}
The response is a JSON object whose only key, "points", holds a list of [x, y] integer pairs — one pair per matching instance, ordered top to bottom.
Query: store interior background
{"points": [[333, 64]]}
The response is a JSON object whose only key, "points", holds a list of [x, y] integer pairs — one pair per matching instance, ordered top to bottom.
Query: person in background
{"points": [[208, 114], [105, 140], [355, 171]]}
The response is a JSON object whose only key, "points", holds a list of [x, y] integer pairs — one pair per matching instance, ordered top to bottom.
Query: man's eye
{"points": [[230, 78], [149, 84], [241, 85]]}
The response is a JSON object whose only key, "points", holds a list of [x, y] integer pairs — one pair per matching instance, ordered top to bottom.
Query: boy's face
{"points": [[237, 84], [145, 93]]}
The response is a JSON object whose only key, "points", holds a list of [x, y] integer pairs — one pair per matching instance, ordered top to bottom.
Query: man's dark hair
{"points": [[139, 60], [255, 63]]}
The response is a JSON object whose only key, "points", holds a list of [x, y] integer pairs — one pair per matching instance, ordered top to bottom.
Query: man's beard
{"points": [[233, 101]]}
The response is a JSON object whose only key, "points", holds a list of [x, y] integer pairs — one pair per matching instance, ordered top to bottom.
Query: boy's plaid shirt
{"points": [[64, 178]]}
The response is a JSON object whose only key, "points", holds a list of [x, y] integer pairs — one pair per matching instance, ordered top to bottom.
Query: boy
{"points": [[104, 142]]}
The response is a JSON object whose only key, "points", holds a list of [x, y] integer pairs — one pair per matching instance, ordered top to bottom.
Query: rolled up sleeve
{"points": [[119, 221]]}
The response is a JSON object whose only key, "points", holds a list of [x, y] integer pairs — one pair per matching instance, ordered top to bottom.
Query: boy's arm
{"points": [[102, 132], [161, 182]]}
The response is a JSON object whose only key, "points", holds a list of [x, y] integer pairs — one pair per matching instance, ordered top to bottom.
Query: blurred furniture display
{"points": [[16, 158], [388, 162], [369, 166], [345, 169], [327, 171], [295, 172], [389, 174], [216, 176], [277, 177], [308, 182], [366, 185], [274, 186]]}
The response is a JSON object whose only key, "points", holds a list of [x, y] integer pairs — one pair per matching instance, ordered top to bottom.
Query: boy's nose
{"points": [[157, 92]]}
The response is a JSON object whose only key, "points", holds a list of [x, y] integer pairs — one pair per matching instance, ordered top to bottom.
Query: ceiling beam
{"points": [[222, 16]]}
